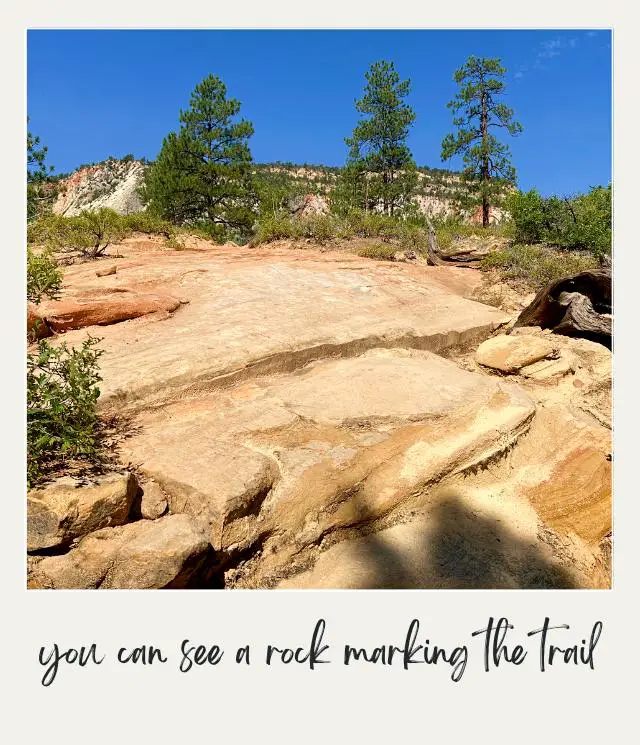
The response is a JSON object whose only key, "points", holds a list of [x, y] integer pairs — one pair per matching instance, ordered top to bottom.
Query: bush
{"points": [[145, 222], [582, 222], [92, 232], [381, 251], [536, 266], [44, 278], [62, 390]]}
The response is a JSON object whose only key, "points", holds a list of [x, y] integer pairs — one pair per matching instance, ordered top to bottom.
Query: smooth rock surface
{"points": [[262, 310], [65, 510], [141, 555]]}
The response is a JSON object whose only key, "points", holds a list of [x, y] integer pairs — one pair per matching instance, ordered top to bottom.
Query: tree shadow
{"points": [[452, 546]]}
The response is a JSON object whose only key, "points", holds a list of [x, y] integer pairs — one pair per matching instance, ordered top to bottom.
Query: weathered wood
{"points": [[579, 305], [580, 316]]}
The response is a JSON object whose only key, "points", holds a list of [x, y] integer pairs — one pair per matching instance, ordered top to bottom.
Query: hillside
{"points": [[115, 183]]}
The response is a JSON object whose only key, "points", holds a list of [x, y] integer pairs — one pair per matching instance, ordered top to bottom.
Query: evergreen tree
{"points": [[487, 161], [203, 172], [381, 173], [37, 174]]}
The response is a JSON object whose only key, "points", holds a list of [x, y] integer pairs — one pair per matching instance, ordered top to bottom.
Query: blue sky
{"points": [[97, 93]]}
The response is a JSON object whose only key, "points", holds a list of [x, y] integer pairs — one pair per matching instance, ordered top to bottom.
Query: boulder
{"points": [[511, 353], [61, 512], [141, 555]]}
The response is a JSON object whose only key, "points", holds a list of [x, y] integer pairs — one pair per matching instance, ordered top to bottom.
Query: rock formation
{"points": [[311, 419]]}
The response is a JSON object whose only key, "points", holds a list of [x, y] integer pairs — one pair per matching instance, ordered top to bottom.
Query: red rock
{"points": [[64, 315], [37, 327]]}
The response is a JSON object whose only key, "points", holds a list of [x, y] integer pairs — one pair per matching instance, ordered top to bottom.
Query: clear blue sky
{"points": [[97, 93]]}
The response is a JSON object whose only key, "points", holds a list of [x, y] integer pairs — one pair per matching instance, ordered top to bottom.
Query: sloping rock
{"points": [[264, 310], [64, 315], [511, 353], [284, 460], [65, 510], [539, 518], [463, 540], [141, 555]]}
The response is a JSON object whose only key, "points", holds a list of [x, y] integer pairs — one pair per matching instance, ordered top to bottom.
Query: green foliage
{"points": [[476, 111], [380, 170], [203, 172], [275, 189], [40, 193], [145, 222], [581, 222], [356, 224], [318, 228], [91, 232], [380, 251], [536, 266], [44, 278], [62, 390]]}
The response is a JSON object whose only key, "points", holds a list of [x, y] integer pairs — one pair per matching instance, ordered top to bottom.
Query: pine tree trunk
{"points": [[485, 162]]}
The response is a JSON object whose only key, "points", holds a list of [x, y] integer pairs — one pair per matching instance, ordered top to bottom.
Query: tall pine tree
{"points": [[476, 111], [380, 171], [203, 172]]}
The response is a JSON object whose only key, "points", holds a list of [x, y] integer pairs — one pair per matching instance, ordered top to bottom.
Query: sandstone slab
{"points": [[260, 311], [511, 353], [284, 460], [65, 510], [141, 555]]}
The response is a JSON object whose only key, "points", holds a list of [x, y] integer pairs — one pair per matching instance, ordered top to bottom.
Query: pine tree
{"points": [[487, 161], [380, 169], [203, 172], [37, 175]]}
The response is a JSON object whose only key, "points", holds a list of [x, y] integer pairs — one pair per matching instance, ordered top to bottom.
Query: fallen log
{"points": [[435, 257], [579, 305]]}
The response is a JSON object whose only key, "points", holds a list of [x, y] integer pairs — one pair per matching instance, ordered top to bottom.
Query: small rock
{"points": [[106, 272], [510, 353], [154, 501], [63, 511]]}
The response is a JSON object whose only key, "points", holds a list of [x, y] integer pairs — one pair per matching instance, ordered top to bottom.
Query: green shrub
{"points": [[145, 222], [581, 222], [277, 227], [46, 230], [93, 231], [381, 251], [536, 266], [44, 277], [62, 390]]}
